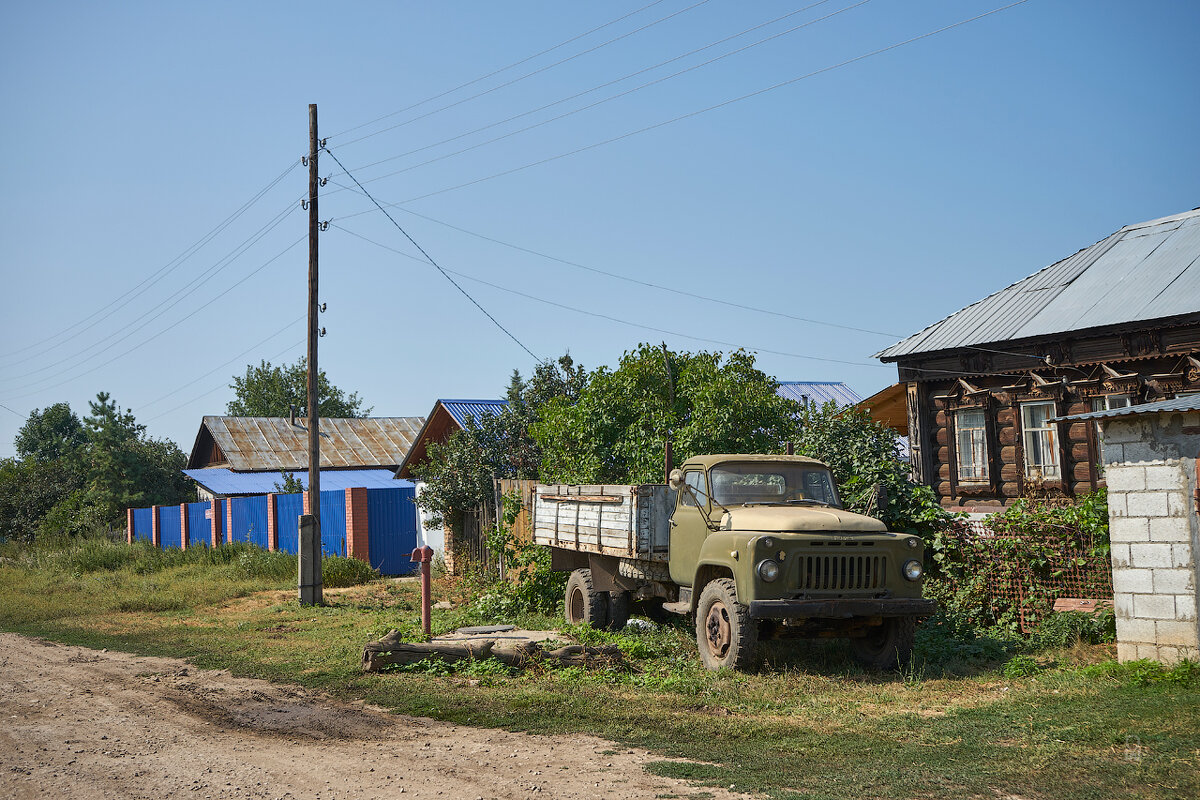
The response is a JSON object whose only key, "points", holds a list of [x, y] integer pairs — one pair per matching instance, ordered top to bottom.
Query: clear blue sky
{"points": [[881, 195]]}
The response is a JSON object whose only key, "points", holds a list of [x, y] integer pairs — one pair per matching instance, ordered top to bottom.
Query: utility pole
{"points": [[310, 524]]}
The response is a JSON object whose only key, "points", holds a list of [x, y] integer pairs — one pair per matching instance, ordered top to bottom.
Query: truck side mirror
{"points": [[675, 480]]}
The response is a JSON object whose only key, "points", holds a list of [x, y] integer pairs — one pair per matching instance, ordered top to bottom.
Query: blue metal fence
{"points": [[288, 508], [249, 520], [143, 522], [333, 523], [199, 524], [391, 524], [392, 530], [170, 532]]}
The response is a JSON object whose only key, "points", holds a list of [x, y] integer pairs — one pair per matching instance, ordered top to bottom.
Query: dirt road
{"points": [[86, 724]]}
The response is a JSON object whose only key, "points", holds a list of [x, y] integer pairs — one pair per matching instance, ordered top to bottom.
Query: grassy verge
{"points": [[964, 719]]}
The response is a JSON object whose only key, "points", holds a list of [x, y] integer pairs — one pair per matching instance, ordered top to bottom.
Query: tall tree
{"points": [[271, 391], [707, 402], [51, 434]]}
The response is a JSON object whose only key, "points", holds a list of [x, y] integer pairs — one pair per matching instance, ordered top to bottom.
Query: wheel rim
{"points": [[575, 606], [720, 632]]}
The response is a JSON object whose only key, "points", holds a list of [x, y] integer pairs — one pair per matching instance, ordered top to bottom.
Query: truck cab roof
{"points": [[708, 461]]}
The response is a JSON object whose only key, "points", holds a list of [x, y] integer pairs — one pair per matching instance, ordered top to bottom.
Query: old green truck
{"points": [[752, 546]]}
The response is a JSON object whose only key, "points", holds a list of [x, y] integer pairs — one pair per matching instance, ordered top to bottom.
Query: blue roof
{"points": [[819, 392], [463, 410], [219, 480]]}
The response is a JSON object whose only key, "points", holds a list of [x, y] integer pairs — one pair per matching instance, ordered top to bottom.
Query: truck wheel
{"points": [[583, 603], [618, 610], [725, 634], [888, 646]]}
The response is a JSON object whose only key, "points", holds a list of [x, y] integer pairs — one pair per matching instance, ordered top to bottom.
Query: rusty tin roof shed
{"points": [[247, 444]]}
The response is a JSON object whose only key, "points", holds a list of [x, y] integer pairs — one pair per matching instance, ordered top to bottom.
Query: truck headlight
{"points": [[768, 570], [913, 570]]}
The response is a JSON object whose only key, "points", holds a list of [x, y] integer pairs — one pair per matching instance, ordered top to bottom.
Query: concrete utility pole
{"points": [[310, 523]]}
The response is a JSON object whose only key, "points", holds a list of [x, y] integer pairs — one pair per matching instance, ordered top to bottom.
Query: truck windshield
{"points": [[737, 484]]}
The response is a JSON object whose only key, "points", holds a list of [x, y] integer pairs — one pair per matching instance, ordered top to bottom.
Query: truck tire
{"points": [[644, 570], [583, 603], [619, 604], [725, 633], [887, 647]]}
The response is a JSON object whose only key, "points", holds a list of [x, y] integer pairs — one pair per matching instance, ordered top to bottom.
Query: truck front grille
{"points": [[842, 573]]}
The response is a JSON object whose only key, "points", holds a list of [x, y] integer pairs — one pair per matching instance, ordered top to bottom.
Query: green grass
{"points": [[1066, 722]]}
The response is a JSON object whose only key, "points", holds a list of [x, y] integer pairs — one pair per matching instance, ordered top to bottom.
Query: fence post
{"points": [[229, 520], [215, 523], [129, 526], [272, 529], [185, 530], [154, 533], [358, 540]]}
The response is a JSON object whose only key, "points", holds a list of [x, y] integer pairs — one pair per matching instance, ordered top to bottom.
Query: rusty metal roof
{"points": [[1142, 272], [270, 443]]}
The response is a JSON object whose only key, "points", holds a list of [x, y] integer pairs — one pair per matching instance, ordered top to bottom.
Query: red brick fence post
{"points": [[357, 538]]}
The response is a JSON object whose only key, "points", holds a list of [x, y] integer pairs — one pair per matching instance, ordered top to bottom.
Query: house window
{"points": [[1106, 403], [1040, 440], [971, 442]]}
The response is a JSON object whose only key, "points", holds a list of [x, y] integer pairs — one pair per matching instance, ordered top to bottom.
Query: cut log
{"points": [[390, 651]]}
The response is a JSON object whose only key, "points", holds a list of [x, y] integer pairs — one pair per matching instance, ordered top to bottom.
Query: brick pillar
{"points": [[306, 511], [229, 519], [215, 523], [129, 526], [154, 526], [272, 528], [1154, 528], [185, 538], [357, 538]]}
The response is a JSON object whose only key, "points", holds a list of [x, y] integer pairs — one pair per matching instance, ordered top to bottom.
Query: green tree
{"points": [[271, 391], [707, 403], [51, 434], [863, 453], [458, 473]]}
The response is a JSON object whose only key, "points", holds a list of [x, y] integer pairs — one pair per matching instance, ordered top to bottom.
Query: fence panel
{"points": [[288, 508], [333, 522], [143, 523], [249, 523], [199, 525], [392, 529], [170, 530]]}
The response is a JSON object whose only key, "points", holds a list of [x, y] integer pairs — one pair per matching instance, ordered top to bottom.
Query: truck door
{"points": [[688, 526]]}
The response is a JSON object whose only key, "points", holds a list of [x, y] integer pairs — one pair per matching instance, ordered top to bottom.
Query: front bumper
{"points": [[842, 609]]}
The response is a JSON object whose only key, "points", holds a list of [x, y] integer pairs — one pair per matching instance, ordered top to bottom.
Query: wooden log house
{"points": [[987, 388]]}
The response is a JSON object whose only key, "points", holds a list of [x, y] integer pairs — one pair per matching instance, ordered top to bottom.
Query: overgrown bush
{"points": [[1009, 577], [531, 586]]}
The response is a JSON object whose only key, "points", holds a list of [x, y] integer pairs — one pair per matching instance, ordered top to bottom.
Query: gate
{"points": [[249, 520], [199, 525], [392, 530]]}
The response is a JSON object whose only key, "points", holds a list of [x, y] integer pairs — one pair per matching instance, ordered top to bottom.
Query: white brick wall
{"points": [[1155, 534]]}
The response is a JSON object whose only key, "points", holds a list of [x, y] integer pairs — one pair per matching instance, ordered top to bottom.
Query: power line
{"points": [[498, 71], [526, 75], [610, 83], [691, 114], [429, 258], [150, 280], [639, 282], [178, 296], [618, 319], [173, 325], [240, 355], [215, 389], [6, 408]]}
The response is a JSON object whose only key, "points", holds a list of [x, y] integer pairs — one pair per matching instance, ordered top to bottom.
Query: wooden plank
{"points": [[583, 498]]}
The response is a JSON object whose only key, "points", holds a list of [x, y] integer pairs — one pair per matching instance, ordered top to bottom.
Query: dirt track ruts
{"points": [[84, 724]]}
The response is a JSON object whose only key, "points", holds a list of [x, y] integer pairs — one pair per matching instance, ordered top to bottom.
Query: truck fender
{"points": [[715, 562]]}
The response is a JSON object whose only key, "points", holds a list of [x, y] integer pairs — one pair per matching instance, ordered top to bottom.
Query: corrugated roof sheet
{"points": [[1146, 271], [819, 392], [1176, 404], [462, 410], [270, 443], [219, 480]]}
